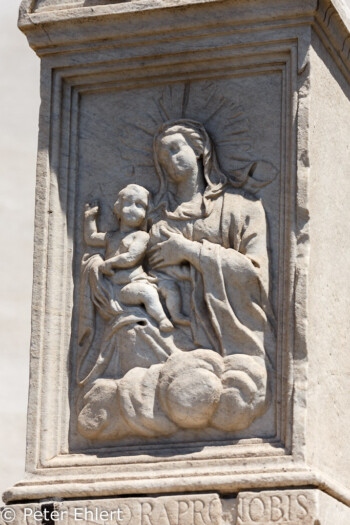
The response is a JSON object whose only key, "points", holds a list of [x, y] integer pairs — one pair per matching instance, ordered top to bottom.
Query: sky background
{"points": [[19, 105]]}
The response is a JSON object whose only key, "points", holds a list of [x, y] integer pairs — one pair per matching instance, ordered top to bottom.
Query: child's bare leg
{"points": [[137, 293], [172, 295]]}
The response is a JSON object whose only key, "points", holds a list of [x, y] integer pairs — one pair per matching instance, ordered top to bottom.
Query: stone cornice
{"points": [[82, 11], [333, 18], [50, 24]]}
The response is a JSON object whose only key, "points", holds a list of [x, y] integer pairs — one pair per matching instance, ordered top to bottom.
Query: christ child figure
{"points": [[125, 250]]}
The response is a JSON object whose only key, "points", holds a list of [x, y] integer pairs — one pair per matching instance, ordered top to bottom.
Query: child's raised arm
{"points": [[91, 236]]}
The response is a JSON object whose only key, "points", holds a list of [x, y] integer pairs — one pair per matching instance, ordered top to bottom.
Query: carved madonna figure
{"points": [[205, 258]]}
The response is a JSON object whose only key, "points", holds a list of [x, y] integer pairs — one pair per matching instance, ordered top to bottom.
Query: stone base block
{"points": [[273, 507]]}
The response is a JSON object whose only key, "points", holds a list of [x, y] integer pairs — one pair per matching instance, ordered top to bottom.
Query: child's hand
{"points": [[91, 210], [106, 268]]}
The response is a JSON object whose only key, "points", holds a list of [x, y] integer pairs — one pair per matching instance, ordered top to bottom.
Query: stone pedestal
{"points": [[189, 357]]}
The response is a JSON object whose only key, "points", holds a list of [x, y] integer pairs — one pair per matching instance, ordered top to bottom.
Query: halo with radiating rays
{"points": [[224, 119]]}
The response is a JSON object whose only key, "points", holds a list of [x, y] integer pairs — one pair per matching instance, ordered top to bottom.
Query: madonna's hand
{"points": [[175, 250]]}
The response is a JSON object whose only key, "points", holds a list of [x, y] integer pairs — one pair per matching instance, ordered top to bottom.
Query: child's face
{"points": [[133, 209]]}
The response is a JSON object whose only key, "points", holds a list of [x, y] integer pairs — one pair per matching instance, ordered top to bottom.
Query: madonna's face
{"points": [[177, 157]]}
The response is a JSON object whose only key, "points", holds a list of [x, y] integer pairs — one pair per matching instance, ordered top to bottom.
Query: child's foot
{"points": [[181, 319], [165, 325]]}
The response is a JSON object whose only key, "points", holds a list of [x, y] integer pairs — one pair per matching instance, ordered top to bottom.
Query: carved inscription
{"points": [[278, 507], [199, 509], [203, 509]]}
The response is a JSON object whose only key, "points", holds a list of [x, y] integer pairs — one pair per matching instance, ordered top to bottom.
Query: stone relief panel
{"points": [[176, 263]]}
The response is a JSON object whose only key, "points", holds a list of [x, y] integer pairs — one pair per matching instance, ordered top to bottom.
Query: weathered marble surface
{"points": [[176, 310]]}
